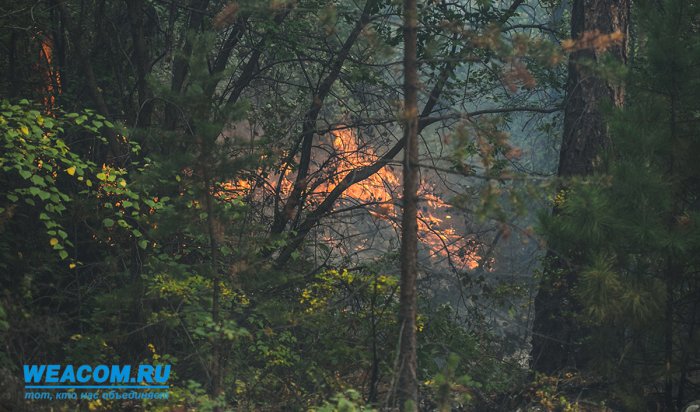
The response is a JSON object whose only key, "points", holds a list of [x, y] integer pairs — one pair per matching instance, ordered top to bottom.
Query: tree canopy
{"points": [[328, 205]]}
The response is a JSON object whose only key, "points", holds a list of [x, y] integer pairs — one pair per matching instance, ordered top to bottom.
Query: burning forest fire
{"points": [[51, 79], [340, 154]]}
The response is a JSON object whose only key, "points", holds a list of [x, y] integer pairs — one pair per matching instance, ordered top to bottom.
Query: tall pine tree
{"points": [[585, 139], [633, 232]]}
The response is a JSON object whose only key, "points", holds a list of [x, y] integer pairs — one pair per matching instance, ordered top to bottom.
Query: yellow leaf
{"points": [[24, 130], [71, 170], [122, 183], [53, 241], [72, 266]]}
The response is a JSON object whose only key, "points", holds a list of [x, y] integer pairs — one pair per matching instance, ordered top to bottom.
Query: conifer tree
{"points": [[598, 31], [635, 228]]}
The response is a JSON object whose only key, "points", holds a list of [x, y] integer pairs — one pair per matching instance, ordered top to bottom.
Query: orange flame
{"points": [[51, 78], [380, 193]]}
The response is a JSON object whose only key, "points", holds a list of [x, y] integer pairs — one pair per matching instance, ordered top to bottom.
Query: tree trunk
{"points": [[198, 10], [141, 61], [585, 133], [585, 139], [408, 381]]}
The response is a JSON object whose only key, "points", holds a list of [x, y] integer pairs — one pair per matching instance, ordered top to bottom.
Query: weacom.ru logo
{"points": [[109, 382]]}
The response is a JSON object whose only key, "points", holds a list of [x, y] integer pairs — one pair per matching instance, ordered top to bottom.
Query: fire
{"points": [[51, 78], [342, 153], [379, 189]]}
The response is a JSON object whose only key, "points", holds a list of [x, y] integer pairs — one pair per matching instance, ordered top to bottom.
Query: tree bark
{"points": [[585, 133], [585, 139], [408, 381]]}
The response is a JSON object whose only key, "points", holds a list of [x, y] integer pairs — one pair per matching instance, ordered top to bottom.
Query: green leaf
{"points": [[38, 180], [107, 222]]}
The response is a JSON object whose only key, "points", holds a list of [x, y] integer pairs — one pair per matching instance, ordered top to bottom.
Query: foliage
{"points": [[36, 159], [48, 183], [191, 220], [350, 401]]}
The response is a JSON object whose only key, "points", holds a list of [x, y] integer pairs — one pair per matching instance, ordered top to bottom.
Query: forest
{"points": [[350, 205]]}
